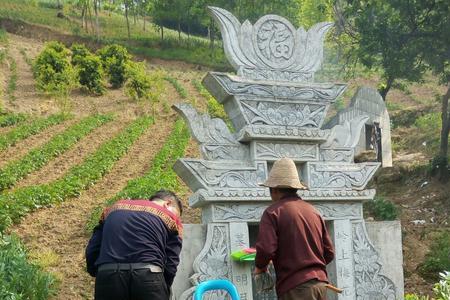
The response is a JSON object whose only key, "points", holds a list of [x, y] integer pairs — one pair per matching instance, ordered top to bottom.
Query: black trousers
{"points": [[140, 284]]}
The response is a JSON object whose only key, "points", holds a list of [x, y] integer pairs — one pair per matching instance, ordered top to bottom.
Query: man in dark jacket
{"points": [[293, 235], [134, 251]]}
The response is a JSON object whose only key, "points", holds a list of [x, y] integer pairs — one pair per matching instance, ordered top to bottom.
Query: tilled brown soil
{"points": [[23, 147], [57, 167], [60, 230]]}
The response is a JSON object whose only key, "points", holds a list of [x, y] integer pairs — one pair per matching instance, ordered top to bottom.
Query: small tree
{"points": [[114, 60], [89, 68], [53, 71], [90, 72], [144, 87]]}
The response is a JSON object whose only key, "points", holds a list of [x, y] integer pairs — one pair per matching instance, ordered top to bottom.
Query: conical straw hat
{"points": [[284, 175]]}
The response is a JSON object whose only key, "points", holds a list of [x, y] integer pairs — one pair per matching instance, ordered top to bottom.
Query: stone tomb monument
{"points": [[277, 110]]}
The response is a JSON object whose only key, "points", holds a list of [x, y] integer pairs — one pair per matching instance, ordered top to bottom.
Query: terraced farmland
{"points": [[59, 170]]}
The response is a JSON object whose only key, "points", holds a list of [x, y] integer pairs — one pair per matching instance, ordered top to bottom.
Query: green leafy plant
{"points": [[79, 51], [115, 59], [53, 71], [90, 73], [12, 83], [143, 86], [178, 87], [215, 109], [9, 119], [25, 130], [38, 157], [159, 176], [17, 203], [381, 209], [438, 258], [19, 279], [442, 288]]}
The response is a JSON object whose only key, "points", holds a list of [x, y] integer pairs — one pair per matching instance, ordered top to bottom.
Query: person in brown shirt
{"points": [[293, 235]]}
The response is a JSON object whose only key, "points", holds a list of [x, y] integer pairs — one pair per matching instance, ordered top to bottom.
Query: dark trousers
{"points": [[140, 284], [311, 290]]}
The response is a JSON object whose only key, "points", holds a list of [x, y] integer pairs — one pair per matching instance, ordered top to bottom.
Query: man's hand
{"points": [[259, 271]]}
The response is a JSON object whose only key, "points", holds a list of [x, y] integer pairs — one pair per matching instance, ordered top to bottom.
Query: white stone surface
{"points": [[277, 111], [386, 237]]}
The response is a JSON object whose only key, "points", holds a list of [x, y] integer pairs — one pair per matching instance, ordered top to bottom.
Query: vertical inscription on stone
{"points": [[239, 239], [344, 259]]}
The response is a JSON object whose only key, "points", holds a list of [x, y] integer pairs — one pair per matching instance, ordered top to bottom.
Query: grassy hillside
{"points": [[113, 28]]}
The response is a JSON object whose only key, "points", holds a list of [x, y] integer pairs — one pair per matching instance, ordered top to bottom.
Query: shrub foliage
{"points": [[115, 59], [89, 68], [53, 70], [20, 279]]}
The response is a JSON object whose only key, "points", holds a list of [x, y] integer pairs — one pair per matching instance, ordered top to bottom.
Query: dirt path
{"points": [[185, 79], [27, 99], [24, 146], [57, 167], [59, 232]]}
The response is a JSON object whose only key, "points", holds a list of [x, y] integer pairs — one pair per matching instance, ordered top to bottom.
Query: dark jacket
{"points": [[136, 231]]}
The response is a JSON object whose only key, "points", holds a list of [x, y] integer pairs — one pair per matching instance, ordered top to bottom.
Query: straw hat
{"points": [[284, 175]]}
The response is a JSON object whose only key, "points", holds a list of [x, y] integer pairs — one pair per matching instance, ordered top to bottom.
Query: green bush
{"points": [[79, 51], [115, 59], [89, 68], [53, 71], [90, 72], [143, 86], [178, 87], [7, 119], [430, 123], [28, 129], [38, 157], [159, 176], [17, 203], [381, 209], [438, 258], [20, 279], [442, 288]]}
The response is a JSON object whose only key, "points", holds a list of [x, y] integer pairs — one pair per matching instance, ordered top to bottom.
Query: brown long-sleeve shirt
{"points": [[293, 235]]}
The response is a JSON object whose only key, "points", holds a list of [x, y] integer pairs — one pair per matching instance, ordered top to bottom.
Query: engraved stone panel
{"points": [[271, 44], [225, 85], [284, 114], [265, 132], [296, 151], [337, 155], [210, 174], [339, 176], [330, 211], [370, 284]]}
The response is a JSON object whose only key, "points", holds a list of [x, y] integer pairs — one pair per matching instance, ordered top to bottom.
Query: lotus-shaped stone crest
{"points": [[271, 48]]}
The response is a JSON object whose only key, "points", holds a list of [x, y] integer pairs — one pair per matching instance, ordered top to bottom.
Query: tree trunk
{"points": [[126, 16], [83, 17], [143, 17], [90, 18], [97, 25], [179, 32], [162, 33], [211, 34], [384, 90], [443, 153]]}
